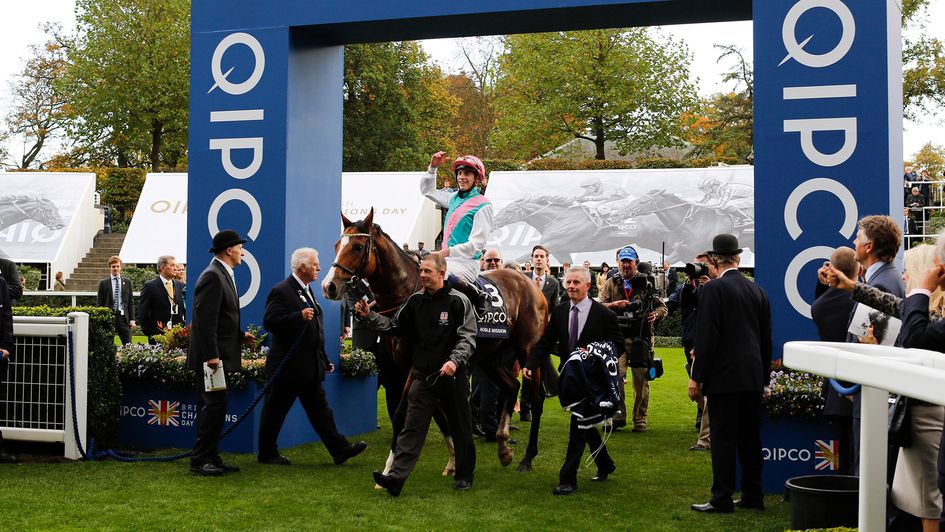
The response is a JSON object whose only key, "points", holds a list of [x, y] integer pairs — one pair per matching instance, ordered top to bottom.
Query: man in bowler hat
{"points": [[215, 339], [732, 366]]}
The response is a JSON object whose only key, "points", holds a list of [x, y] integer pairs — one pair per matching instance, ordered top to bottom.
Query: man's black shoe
{"points": [[350, 452], [7, 458], [274, 460], [228, 468], [206, 470], [602, 475], [392, 485], [462, 485], [564, 489], [750, 504], [712, 509]]}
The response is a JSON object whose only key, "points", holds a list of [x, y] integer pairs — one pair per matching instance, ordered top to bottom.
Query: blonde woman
{"points": [[915, 488]]}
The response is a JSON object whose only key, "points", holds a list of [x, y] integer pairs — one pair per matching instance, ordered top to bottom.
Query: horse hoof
{"points": [[506, 458], [524, 467]]}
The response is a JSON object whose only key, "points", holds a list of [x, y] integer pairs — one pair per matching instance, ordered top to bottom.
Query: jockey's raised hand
{"points": [[438, 159]]}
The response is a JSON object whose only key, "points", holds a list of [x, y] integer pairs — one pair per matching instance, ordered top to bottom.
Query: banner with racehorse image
{"points": [[42, 213], [589, 214]]}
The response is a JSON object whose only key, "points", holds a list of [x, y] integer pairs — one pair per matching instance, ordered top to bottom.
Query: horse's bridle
{"points": [[359, 271]]}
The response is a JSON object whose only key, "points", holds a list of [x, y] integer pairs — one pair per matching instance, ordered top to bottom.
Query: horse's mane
{"points": [[364, 229]]}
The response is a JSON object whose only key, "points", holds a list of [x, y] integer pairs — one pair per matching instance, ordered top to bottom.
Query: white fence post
{"points": [[79, 322]]}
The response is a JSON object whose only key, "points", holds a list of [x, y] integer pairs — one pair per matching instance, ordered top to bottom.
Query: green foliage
{"points": [[923, 61], [128, 81], [629, 86], [397, 108], [723, 127], [931, 157], [711, 160], [658, 162], [582, 164], [501, 165], [33, 275], [138, 276], [670, 326], [667, 341], [358, 363], [793, 393], [104, 396]]}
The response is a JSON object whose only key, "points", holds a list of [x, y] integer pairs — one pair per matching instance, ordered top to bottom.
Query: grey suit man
{"points": [[876, 244], [215, 338]]}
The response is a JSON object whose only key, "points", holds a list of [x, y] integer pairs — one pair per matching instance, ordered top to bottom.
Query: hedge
{"points": [[104, 398]]}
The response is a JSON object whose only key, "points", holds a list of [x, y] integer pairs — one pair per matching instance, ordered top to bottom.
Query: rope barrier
{"points": [[123, 457]]}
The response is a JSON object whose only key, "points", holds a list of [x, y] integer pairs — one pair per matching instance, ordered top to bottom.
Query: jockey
{"points": [[735, 200], [468, 218]]}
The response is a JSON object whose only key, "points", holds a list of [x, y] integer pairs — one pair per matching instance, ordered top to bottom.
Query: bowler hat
{"points": [[225, 239], [725, 244]]}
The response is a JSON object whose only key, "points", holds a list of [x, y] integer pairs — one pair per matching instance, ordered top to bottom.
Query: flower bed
{"points": [[793, 393]]}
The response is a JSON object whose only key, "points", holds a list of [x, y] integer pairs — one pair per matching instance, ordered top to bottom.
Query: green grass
{"points": [[656, 480]]}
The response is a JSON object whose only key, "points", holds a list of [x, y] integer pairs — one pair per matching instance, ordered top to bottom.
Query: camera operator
{"points": [[636, 301]]}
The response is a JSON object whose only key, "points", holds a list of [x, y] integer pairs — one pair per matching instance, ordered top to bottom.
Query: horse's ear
{"points": [[345, 221], [369, 221]]}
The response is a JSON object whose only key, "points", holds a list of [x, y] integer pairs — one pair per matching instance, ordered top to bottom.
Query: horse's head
{"points": [[646, 203], [47, 214], [509, 215], [355, 256]]}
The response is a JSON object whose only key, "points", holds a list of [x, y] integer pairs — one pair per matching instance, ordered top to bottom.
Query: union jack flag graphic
{"points": [[164, 413], [827, 455]]}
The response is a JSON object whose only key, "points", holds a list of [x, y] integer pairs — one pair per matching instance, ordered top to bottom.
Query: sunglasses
{"points": [[493, 260]]}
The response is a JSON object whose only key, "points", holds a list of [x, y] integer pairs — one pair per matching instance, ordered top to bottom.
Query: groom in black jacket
{"points": [[291, 312], [575, 323], [732, 366]]}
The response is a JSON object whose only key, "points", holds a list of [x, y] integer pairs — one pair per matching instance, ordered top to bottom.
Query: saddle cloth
{"points": [[492, 320]]}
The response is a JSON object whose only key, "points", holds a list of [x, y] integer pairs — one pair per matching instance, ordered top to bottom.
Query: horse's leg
{"points": [[508, 392], [440, 418]]}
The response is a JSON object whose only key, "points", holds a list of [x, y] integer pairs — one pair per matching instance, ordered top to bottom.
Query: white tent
{"points": [[48, 218]]}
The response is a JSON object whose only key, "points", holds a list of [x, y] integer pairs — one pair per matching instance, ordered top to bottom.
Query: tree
{"points": [[923, 59], [128, 81], [625, 86], [474, 88], [39, 108], [397, 108], [724, 127], [932, 158]]}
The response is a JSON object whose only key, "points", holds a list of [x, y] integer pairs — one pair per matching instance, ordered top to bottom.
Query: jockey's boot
{"points": [[476, 296]]}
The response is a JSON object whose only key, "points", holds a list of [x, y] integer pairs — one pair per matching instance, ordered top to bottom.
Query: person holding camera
{"points": [[635, 300]]}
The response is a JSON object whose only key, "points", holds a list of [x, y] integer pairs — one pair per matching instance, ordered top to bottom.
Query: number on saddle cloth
{"points": [[493, 322]]}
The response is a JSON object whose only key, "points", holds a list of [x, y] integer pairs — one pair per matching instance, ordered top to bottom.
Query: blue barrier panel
{"points": [[154, 417], [794, 447]]}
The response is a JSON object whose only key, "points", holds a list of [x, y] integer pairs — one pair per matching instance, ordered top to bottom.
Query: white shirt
{"points": [[228, 270], [304, 286]]}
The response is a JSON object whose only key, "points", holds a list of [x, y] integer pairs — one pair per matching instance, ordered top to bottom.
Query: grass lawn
{"points": [[656, 480]]}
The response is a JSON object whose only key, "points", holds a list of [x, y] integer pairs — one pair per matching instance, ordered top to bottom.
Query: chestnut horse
{"points": [[365, 251]]}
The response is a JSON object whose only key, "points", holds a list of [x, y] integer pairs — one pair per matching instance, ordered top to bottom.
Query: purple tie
{"points": [[573, 330]]}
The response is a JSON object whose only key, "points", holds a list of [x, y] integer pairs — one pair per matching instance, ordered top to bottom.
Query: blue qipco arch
{"points": [[266, 119]]}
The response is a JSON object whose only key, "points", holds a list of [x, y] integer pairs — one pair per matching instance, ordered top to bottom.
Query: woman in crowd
{"points": [[602, 276], [60, 285], [914, 487]]}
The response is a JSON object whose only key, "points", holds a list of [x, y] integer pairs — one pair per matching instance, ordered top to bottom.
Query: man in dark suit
{"points": [[875, 247], [10, 274], [551, 289], [114, 292], [161, 304], [291, 312], [831, 314], [576, 323], [215, 339], [6, 351], [732, 366]]}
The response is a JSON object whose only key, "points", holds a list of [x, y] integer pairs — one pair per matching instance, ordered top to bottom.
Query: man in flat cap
{"points": [[215, 339], [732, 366]]}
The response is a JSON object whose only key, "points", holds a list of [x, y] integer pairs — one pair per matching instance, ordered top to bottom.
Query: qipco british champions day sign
{"points": [[266, 119]]}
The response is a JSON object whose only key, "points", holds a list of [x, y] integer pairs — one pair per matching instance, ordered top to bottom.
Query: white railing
{"points": [[69, 294], [880, 370], [39, 401]]}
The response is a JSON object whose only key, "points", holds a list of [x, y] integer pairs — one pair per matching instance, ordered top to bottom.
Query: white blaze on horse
{"points": [[364, 251]]}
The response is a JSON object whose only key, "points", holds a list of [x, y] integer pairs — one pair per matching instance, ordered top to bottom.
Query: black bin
{"points": [[823, 501]]}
